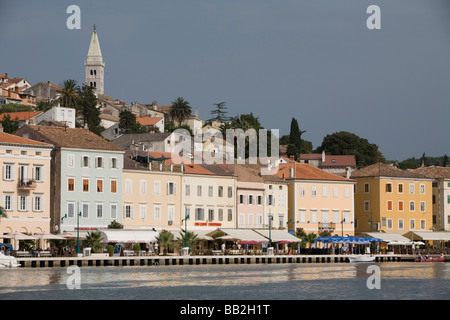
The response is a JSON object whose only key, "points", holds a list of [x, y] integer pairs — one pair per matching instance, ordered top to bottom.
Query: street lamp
{"points": [[186, 217], [78, 229]]}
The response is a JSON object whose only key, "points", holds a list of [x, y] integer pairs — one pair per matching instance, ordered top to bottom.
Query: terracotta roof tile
{"points": [[21, 116], [148, 121], [78, 138], [13, 139], [383, 170], [305, 171], [435, 172]]}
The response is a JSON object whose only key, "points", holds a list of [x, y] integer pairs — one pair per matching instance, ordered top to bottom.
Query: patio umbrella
{"points": [[17, 236], [47, 236]]}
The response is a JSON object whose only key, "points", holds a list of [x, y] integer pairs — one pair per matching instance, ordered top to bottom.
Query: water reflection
{"points": [[38, 279]]}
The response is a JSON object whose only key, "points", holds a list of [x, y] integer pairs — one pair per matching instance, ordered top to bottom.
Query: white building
{"points": [[61, 114]]}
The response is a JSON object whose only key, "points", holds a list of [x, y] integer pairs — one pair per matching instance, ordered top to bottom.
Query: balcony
{"points": [[26, 185], [326, 226]]}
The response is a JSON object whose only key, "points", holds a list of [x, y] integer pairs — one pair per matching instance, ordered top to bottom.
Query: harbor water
{"points": [[399, 281]]}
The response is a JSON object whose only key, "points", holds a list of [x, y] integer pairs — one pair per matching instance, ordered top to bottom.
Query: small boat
{"points": [[363, 258], [430, 259], [8, 261]]}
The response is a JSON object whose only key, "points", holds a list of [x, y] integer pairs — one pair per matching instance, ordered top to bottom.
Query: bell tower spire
{"points": [[94, 65]]}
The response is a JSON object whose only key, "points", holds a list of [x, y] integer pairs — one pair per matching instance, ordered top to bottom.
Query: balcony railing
{"points": [[26, 185], [326, 226]]}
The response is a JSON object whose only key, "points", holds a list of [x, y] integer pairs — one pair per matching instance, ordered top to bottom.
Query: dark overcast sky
{"points": [[313, 60]]}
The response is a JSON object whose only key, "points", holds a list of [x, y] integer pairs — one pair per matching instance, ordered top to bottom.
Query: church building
{"points": [[94, 64]]}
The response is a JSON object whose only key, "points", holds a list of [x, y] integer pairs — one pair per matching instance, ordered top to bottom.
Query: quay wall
{"points": [[92, 261]]}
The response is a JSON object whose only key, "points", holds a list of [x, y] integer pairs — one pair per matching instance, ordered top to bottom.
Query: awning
{"points": [[242, 235], [428, 235], [129, 236], [280, 236], [388, 237]]}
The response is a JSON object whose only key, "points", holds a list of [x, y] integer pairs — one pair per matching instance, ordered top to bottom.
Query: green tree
{"points": [[69, 94], [44, 105], [14, 107], [87, 108], [180, 110], [219, 113], [128, 123], [9, 126], [346, 143], [445, 160], [115, 225], [165, 240], [191, 240], [93, 241]]}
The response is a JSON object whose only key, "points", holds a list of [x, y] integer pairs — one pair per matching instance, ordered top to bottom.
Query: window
{"points": [[71, 160], [85, 161], [99, 162], [114, 164], [8, 172], [39, 173], [71, 184], [85, 185], [99, 185], [113, 186], [128, 186], [143, 186], [157, 186], [171, 186], [389, 187], [366, 188], [400, 188], [411, 188], [422, 189], [187, 190], [199, 191], [210, 191], [220, 191], [302, 191], [313, 191], [324, 191], [230, 192], [335, 192], [346, 192], [241, 199], [250, 199], [260, 199], [270, 200], [281, 200], [8, 202], [23, 203], [38, 203], [366, 205], [389, 205], [400, 206], [412, 206], [422, 206], [70, 209], [85, 210], [99, 210], [113, 211], [142, 211], [128, 212], [171, 212], [157, 213], [199, 214], [210, 214], [230, 214], [220, 215], [314, 216], [302, 217], [336, 217], [250, 219], [241, 220], [259, 220], [389, 223], [400, 224], [412, 224], [422, 224]]}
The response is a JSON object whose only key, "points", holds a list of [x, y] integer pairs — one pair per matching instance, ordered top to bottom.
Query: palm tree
{"points": [[69, 94], [180, 110], [309, 238], [165, 239], [93, 240], [191, 240]]}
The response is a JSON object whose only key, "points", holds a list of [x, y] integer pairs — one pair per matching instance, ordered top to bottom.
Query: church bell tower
{"points": [[94, 65]]}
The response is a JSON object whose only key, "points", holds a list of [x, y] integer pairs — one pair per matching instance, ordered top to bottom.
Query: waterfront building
{"points": [[86, 178], [25, 184], [151, 192], [441, 194], [208, 197], [388, 199], [319, 201]]}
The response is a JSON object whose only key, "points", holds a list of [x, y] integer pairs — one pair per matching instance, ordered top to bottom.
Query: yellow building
{"points": [[388, 199]]}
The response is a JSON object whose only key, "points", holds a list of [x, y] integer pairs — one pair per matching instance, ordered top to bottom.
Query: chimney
{"points": [[9, 92], [196, 112], [323, 156], [291, 172], [348, 172]]}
